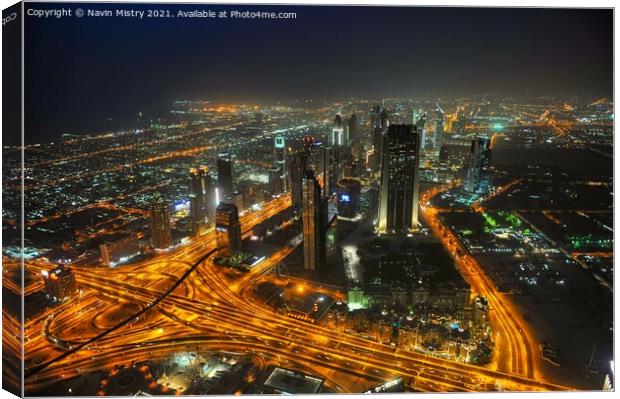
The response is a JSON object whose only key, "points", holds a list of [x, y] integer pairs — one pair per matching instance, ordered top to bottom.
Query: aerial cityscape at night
{"points": [[189, 228]]}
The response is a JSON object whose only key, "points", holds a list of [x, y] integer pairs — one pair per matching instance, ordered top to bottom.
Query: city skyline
{"points": [[253, 243]]}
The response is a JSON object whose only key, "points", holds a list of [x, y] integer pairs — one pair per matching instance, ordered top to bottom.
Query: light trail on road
{"points": [[204, 301]]}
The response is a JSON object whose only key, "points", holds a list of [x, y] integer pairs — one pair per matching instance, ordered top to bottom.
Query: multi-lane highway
{"points": [[131, 313], [515, 344]]}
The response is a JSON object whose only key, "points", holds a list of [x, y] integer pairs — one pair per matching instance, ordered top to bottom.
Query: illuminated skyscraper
{"points": [[416, 114], [383, 117], [379, 121], [420, 123], [375, 125], [353, 128], [337, 135], [354, 137], [438, 137], [280, 155], [327, 166], [332, 168], [297, 169], [224, 175], [477, 176], [275, 181], [201, 201], [398, 201], [314, 223], [228, 228], [161, 234]]}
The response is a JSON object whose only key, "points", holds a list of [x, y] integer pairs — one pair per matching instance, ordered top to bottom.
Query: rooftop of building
{"points": [[292, 382]]}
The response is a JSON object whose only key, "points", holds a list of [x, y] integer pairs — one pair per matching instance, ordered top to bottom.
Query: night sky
{"points": [[84, 75]]}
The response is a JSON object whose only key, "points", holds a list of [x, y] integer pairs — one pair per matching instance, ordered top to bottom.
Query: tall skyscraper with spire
{"points": [[419, 119], [439, 121], [400, 161], [280, 163]]}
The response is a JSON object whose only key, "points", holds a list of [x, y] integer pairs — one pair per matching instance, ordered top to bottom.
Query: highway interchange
{"points": [[131, 314]]}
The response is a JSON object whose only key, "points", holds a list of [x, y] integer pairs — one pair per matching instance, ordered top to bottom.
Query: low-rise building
{"points": [[119, 251], [288, 382]]}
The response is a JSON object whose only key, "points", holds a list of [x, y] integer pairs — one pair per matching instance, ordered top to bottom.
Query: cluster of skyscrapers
{"points": [[397, 150], [328, 170], [209, 206]]}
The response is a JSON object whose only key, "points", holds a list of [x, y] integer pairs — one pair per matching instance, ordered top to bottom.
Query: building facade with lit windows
{"points": [[379, 124], [438, 136], [337, 137], [280, 163], [297, 168], [477, 176], [225, 182], [398, 199], [201, 201], [314, 217], [228, 228], [161, 231], [119, 251], [59, 283]]}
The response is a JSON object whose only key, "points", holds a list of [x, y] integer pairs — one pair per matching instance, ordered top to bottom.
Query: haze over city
{"points": [[109, 72]]}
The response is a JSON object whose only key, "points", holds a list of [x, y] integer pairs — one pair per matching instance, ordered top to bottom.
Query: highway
{"points": [[152, 309], [515, 343]]}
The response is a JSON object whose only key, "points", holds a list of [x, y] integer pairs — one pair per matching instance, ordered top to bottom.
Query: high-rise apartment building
{"points": [[439, 121], [379, 122], [280, 163], [297, 169], [224, 175], [477, 176], [398, 200], [201, 201], [314, 223], [228, 228], [161, 232]]}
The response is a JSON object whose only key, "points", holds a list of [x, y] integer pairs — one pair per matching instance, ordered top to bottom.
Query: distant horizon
{"points": [[80, 71], [163, 110]]}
